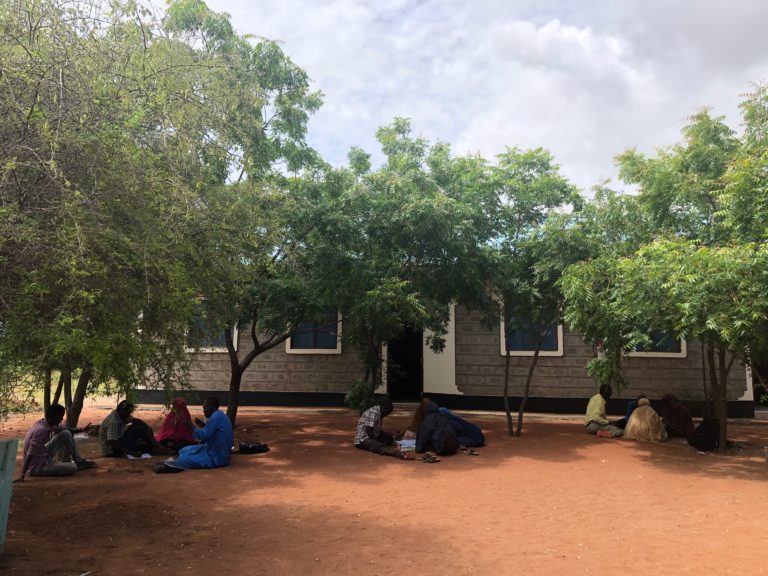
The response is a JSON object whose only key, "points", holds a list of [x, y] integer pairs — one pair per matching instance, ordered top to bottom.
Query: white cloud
{"points": [[584, 80]]}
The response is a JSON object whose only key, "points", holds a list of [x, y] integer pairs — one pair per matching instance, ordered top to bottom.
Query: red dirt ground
{"points": [[555, 501]]}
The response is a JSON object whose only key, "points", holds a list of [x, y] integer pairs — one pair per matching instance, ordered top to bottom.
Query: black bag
{"points": [[706, 437], [246, 447]]}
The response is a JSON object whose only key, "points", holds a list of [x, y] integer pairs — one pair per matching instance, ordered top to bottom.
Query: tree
{"points": [[116, 126], [91, 163], [249, 233], [400, 243], [530, 250], [690, 274], [676, 287]]}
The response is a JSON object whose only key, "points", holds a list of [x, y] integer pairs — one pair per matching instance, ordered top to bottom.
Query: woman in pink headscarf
{"points": [[176, 430]]}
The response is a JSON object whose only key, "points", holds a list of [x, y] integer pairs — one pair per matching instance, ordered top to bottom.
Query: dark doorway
{"points": [[404, 375]]}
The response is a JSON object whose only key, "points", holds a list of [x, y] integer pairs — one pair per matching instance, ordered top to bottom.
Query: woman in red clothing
{"points": [[176, 430]]}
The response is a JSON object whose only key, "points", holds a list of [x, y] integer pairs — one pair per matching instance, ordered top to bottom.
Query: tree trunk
{"points": [[238, 367], [723, 369], [67, 372], [718, 377], [59, 388], [47, 389], [526, 392], [234, 394], [78, 400], [707, 407], [510, 427]]}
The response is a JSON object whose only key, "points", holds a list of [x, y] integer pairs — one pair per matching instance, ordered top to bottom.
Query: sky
{"points": [[584, 79]]}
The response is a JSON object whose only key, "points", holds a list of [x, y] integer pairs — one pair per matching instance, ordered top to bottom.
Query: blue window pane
{"points": [[314, 335], [305, 337], [325, 338], [518, 340], [662, 342]]}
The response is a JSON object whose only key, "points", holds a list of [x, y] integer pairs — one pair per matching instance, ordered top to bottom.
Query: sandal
{"points": [[470, 452], [429, 458], [84, 464], [163, 468]]}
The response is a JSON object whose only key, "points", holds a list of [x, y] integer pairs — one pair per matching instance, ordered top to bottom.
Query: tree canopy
{"points": [[155, 172]]}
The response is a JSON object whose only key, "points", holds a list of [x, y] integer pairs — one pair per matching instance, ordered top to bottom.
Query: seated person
{"points": [[630, 408], [418, 416], [676, 417], [596, 419], [645, 424], [176, 429], [435, 433], [121, 434], [469, 435], [370, 436], [215, 437], [50, 449]]}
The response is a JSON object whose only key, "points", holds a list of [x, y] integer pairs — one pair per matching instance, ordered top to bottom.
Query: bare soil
{"points": [[555, 501]]}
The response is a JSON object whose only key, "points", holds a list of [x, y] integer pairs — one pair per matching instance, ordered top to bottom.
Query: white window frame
{"points": [[290, 350], [551, 353], [682, 354]]}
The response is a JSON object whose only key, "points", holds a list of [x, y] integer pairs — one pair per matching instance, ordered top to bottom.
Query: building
{"points": [[315, 369]]}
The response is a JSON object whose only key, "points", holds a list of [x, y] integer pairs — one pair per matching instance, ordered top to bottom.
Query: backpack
{"points": [[706, 436], [252, 447]]}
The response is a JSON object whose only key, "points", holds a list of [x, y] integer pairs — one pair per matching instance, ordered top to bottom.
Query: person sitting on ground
{"points": [[418, 416], [676, 417], [596, 420], [622, 423], [645, 424], [176, 430], [436, 433], [121, 434], [469, 435], [370, 436], [215, 437], [50, 449]]}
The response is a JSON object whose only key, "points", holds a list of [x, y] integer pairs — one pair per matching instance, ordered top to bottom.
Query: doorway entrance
{"points": [[404, 366]]}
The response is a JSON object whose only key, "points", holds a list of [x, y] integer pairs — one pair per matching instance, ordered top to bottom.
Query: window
{"points": [[202, 337], [317, 337], [519, 343], [663, 345]]}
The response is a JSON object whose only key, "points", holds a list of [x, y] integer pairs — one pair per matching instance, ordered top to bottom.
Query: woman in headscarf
{"points": [[676, 417], [645, 424], [176, 430]]}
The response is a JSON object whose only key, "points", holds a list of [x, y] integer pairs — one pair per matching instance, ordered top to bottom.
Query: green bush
{"points": [[361, 396]]}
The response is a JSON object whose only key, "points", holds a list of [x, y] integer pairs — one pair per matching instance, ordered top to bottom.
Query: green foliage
{"points": [[120, 131], [396, 244], [691, 256], [361, 396]]}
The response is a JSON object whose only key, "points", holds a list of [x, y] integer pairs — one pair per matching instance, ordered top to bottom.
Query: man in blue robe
{"points": [[215, 439]]}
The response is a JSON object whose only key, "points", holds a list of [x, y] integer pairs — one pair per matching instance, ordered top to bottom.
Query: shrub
{"points": [[361, 396]]}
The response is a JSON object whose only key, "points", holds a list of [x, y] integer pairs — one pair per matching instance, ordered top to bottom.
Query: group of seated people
{"points": [[643, 423], [436, 431], [50, 449]]}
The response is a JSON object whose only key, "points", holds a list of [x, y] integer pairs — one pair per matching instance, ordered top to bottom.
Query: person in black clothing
{"points": [[435, 433]]}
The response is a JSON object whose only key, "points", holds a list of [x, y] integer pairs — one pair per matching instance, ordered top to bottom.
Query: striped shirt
{"points": [[371, 418]]}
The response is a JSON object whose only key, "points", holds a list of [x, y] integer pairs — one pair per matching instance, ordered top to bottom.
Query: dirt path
{"points": [[553, 502]]}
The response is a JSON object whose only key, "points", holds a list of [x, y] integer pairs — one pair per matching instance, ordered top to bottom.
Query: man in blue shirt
{"points": [[215, 439]]}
